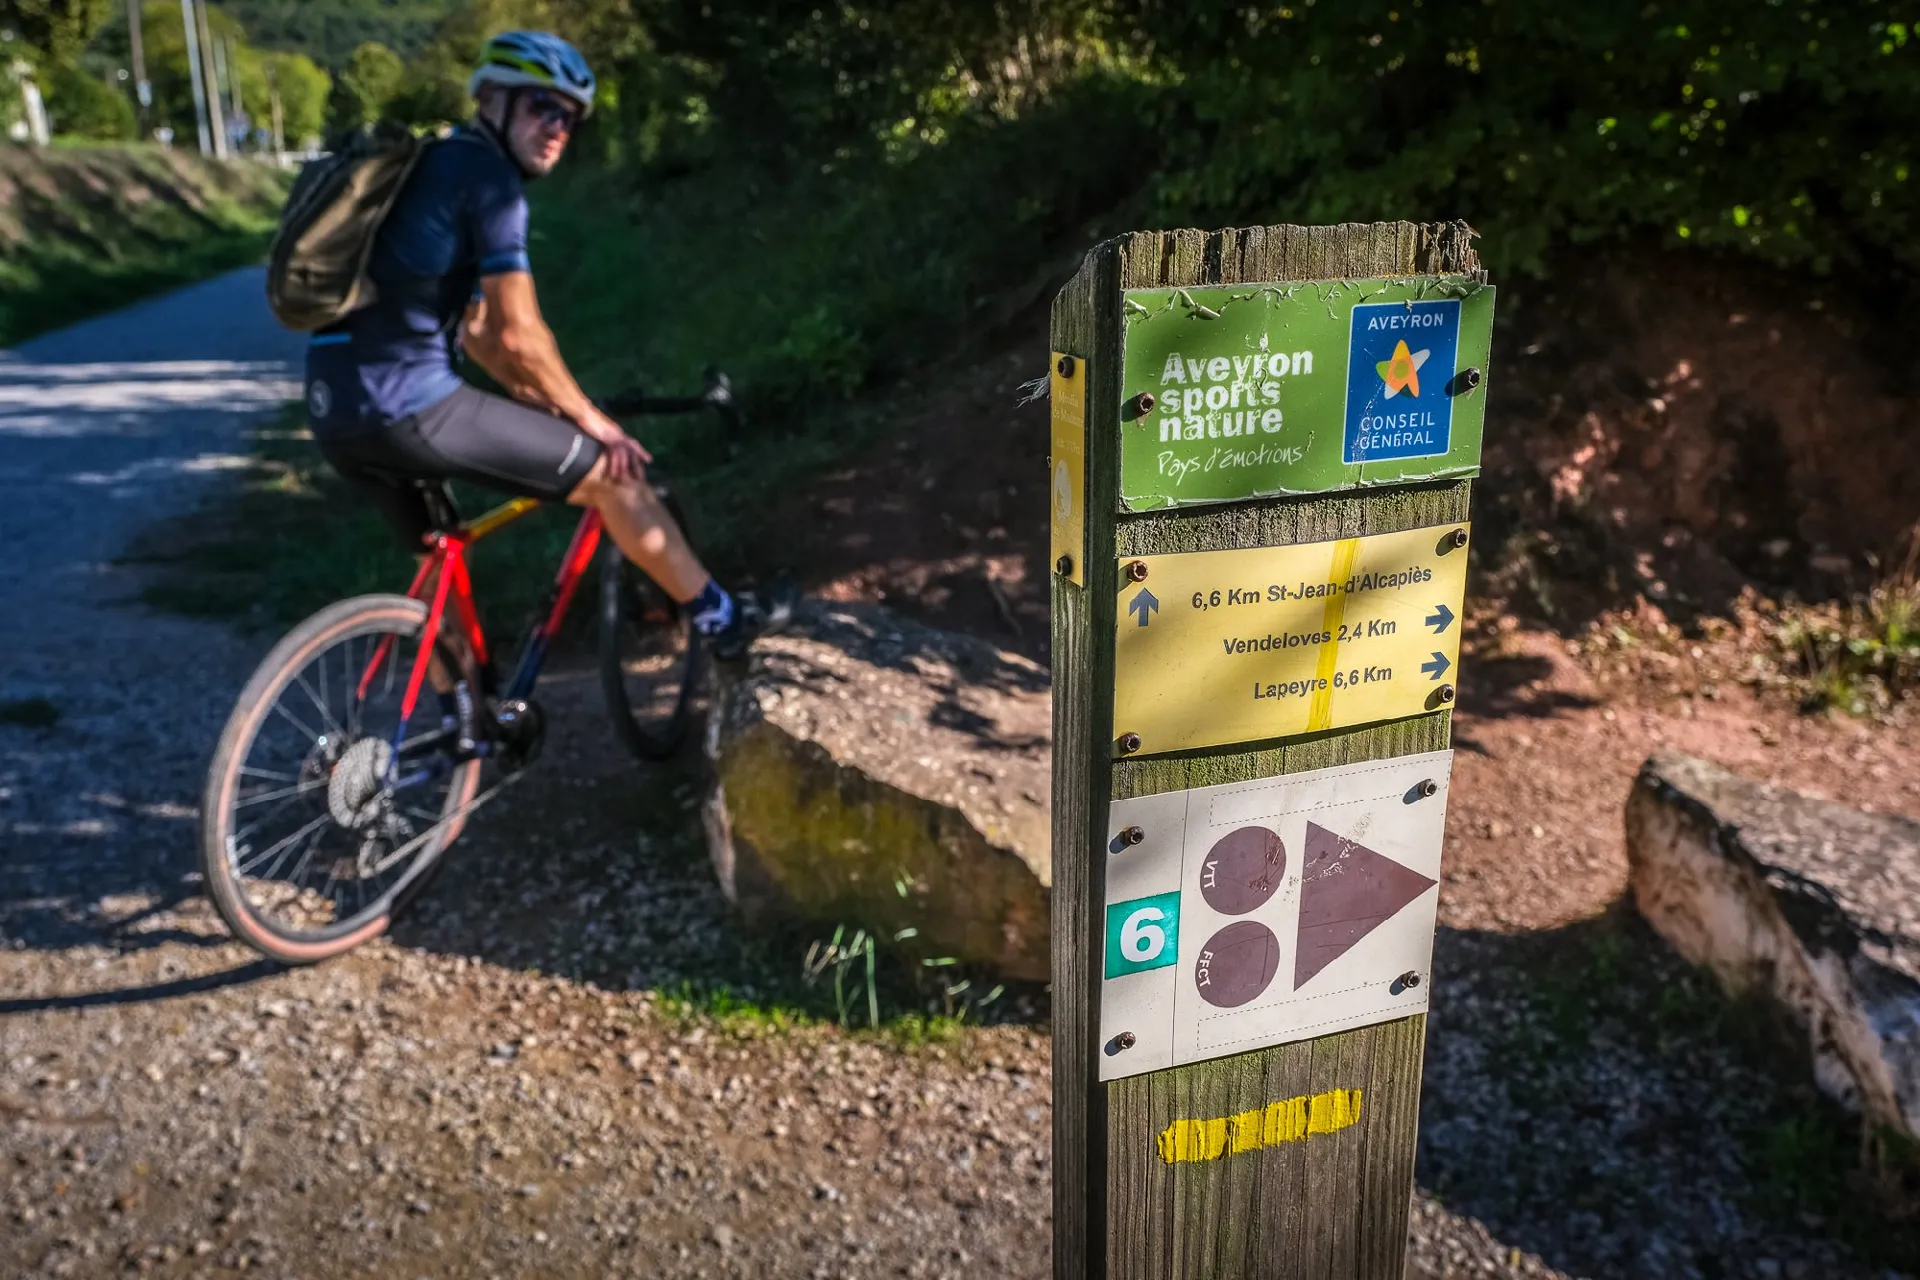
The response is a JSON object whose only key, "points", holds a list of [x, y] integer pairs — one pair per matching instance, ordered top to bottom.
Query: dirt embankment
{"points": [[86, 229], [1664, 428]]}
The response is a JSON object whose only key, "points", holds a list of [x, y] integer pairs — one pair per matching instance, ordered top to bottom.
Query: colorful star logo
{"points": [[1401, 371]]}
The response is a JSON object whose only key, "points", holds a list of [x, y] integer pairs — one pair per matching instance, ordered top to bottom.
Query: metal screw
{"points": [[1065, 366], [1470, 378], [1143, 404], [1458, 538], [1064, 565], [1137, 570], [1444, 693], [1129, 743], [1427, 788], [1133, 835], [1408, 980], [1126, 1039]]}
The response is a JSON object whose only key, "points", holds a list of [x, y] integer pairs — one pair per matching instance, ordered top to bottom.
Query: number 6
{"points": [[1141, 939]]}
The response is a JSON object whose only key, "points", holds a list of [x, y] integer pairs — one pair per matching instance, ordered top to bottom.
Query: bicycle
{"points": [[315, 776]]}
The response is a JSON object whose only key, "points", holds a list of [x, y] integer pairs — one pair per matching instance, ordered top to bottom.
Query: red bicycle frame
{"points": [[445, 569]]}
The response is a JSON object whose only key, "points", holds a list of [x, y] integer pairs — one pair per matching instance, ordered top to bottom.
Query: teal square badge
{"points": [[1143, 934]]}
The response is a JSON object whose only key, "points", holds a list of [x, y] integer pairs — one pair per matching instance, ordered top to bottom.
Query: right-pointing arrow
{"points": [[1440, 619], [1436, 668], [1346, 892]]}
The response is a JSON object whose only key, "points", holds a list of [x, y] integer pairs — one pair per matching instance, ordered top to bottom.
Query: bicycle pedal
{"points": [[520, 726]]}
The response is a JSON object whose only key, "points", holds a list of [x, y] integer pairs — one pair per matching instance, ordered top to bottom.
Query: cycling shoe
{"points": [[755, 614]]}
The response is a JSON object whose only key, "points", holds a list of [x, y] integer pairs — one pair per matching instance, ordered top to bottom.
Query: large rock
{"points": [[874, 772], [1814, 903]]}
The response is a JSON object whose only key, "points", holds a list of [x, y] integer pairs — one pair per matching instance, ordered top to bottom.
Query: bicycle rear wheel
{"points": [[651, 659], [318, 825]]}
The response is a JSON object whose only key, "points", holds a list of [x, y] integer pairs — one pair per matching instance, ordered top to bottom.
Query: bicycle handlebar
{"points": [[717, 396]]}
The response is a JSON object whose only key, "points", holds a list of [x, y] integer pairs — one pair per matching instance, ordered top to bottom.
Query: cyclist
{"points": [[451, 273]]}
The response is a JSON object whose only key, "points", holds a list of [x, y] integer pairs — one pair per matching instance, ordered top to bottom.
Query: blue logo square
{"points": [[1400, 369]]}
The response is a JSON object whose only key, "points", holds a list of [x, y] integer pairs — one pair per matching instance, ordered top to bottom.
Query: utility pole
{"points": [[193, 74], [142, 87], [216, 118], [279, 130], [1262, 447]]}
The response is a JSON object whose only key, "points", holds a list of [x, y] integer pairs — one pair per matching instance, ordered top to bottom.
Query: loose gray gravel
{"points": [[506, 1087]]}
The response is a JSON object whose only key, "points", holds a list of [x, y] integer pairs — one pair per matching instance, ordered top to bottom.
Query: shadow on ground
{"points": [[1595, 1099]]}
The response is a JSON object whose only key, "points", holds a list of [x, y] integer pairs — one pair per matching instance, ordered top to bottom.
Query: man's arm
{"points": [[509, 338]]}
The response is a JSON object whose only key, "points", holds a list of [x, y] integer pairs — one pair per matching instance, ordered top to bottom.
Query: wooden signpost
{"points": [[1262, 440]]}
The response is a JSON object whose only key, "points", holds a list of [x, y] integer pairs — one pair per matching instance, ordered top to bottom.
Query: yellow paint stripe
{"points": [[482, 525], [1320, 715], [1278, 1123]]}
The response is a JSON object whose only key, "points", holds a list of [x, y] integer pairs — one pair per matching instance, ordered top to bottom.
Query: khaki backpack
{"points": [[317, 268]]}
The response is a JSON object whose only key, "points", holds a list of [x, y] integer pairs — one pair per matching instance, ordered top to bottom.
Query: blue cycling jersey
{"points": [[461, 216]]}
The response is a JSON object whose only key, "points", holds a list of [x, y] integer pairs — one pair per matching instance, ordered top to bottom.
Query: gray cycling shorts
{"points": [[486, 439]]}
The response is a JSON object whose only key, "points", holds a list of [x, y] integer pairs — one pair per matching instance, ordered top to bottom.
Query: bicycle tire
{"points": [[632, 604], [284, 664]]}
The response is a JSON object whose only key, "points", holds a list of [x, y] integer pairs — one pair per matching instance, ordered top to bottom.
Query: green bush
{"points": [[80, 106]]}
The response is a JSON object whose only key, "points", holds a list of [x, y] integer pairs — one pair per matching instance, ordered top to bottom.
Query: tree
{"points": [[56, 29], [365, 86], [435, 90], [303, 95], [81, 106]]}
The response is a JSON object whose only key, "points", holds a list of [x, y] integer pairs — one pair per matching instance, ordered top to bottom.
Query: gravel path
{"points": [[506, 1086]]}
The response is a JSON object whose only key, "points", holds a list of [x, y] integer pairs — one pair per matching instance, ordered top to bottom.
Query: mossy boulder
{"points": [[871, 771]]}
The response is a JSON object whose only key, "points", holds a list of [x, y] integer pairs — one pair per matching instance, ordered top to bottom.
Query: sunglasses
{"points": [[554, 111]]}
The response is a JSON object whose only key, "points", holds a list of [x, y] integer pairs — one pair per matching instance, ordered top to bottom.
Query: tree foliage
{"points": [[55, 30], [363, 88], [80, 105]]}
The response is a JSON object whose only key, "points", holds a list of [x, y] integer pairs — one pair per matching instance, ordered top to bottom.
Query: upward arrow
{"points": [[1144, 604]]}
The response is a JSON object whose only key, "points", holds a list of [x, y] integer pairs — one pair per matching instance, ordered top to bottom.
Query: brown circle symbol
{"points": [[1242, 870], [1237, 964]]}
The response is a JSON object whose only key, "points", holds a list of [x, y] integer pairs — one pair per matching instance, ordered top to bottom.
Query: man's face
{"points": [[542, 124]]}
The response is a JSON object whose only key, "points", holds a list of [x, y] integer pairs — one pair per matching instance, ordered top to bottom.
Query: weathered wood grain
{"points": [[1335, 1206]]}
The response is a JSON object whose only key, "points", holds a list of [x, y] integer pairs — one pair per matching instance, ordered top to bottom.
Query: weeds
{"points": [[1864, 656]]}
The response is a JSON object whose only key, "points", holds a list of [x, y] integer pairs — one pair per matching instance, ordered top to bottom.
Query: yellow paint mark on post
{"points": [[1068, 456], [1221, 647], [1276, 1124]]}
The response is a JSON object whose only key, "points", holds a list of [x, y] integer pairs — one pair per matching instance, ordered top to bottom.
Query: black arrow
{"points": [[1144, 604], [1440, 619], [1436, 668]]}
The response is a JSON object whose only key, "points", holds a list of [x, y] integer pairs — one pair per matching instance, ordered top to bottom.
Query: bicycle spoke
{"points": [[326, 716], [311, 736], [247, 770], [299, 790], [262, 821], [313, 843], [241, 868]]}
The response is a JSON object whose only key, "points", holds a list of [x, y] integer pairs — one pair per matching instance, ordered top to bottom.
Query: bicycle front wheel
{"points": [[650, 659], [320, 822]]}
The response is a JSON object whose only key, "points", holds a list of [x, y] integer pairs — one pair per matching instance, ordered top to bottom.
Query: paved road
{"points": [[105, 428]]}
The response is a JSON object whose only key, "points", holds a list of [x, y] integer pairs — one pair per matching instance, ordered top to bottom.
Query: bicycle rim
{"points": [[321, 822]]}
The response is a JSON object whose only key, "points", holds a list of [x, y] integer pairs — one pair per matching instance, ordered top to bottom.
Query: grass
{"points": [[85, 230]]}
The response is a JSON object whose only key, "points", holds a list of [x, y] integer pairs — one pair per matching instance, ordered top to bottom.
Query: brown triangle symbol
{"points": [[1347, 891]]}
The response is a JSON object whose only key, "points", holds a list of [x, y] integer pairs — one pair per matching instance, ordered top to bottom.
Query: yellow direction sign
{"points": [[1216, 647]]}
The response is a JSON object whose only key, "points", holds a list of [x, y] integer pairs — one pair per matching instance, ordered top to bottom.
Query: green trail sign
{"points": [[1233, 392]]}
